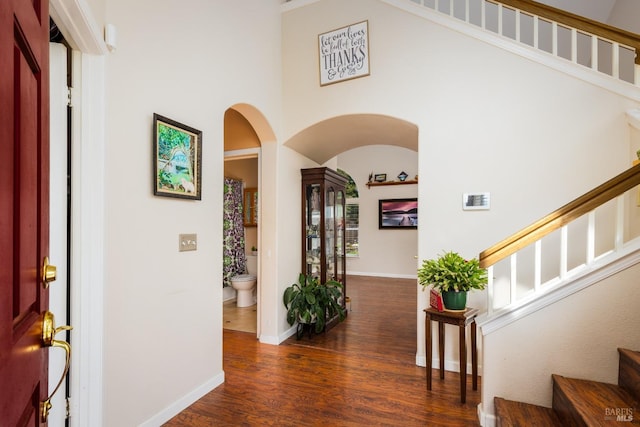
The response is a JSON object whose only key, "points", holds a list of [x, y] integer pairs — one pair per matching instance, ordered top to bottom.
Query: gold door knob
{"points": [[49, 272], [49, 331]]}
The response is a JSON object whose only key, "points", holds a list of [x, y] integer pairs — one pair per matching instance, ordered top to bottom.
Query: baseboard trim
{"points": [[388, 275], [277, 340], [449, 365], [185, 401], [485, 420]]}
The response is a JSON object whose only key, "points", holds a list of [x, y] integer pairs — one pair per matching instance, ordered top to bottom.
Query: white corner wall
{"points": [[391, 252], [288, 262], [163, 308]]}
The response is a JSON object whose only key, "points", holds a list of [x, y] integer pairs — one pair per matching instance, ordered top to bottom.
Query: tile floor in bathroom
{"points": [[239, 319]]}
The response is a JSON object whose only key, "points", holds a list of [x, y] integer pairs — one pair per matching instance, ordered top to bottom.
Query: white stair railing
{"points": [[579, 46], [564, 244]]}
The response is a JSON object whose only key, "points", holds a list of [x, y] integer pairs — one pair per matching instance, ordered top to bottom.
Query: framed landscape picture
{"points": [[177, 154], [398, 213]]}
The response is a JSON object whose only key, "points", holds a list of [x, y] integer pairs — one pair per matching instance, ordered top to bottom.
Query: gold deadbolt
{"points": [[49, 272]]}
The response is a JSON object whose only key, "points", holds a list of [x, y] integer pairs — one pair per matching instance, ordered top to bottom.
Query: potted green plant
{"points": [[453, 276], [311, 303]]}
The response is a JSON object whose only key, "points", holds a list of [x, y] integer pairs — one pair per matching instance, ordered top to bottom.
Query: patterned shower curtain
{"points": [[234, 258]]}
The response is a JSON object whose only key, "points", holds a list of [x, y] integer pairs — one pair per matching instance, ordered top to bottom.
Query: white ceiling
{"points": [[598, 10], [624, 14]]}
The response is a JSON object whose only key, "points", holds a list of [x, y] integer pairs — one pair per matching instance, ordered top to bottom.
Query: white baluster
{"points": [[466, 11], [483, 15], [518, 25], [536, 31], [554, 38], [574, 45], [594, 52], [615, 60], [619, 222], [591, 237], [563, 251], [513, 278], [537, 278], [490, 290]]}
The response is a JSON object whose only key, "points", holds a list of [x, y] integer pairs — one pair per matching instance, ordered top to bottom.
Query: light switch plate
{"points": [[187, 242]]}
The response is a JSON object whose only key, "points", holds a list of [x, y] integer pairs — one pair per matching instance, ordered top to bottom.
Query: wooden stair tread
{"points": [[633, 355], [629, 372], [590, 399], [510, 413]]}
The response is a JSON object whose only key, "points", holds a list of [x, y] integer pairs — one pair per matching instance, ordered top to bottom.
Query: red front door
{"points": [[24, 207]]}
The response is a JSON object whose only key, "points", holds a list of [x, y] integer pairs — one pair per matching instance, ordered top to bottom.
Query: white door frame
{"points": [[74, 19], [247, 153], [58, 219]]}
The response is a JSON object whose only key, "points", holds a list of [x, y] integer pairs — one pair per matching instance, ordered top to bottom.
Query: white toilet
{"points": [[245, 284]]}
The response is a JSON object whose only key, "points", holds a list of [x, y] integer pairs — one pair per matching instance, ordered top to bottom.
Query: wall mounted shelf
{"points": [[380, 184]]}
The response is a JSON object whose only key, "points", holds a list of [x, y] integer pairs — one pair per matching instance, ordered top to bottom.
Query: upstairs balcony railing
{"points": [[582, 41], [574, 237]]}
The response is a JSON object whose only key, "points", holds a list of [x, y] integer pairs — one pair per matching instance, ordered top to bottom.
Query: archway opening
{"points": [[245, 130]]}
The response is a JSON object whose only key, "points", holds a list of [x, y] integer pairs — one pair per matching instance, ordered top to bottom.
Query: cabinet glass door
{"points": [[312, 216], [340, 235], [330, 238]]}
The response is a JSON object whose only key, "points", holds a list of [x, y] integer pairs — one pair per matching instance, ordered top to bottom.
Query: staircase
{"points": [[578, 402]]}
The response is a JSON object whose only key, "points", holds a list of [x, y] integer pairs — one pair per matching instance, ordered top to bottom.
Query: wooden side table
{"points": [[461, 319]]}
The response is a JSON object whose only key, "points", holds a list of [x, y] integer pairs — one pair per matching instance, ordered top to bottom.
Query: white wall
{"points": [[489, 120], [289, 237], [390, 252], [163, 321]]}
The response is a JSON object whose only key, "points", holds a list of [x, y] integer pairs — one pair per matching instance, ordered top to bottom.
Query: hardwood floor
{"points": [[361, 372]]}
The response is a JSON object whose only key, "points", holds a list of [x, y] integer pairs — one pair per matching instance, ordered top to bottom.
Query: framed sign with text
{"points": [[344, 53]]}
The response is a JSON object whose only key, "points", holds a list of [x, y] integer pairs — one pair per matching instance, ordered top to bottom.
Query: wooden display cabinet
{"points": [[323, 227]]}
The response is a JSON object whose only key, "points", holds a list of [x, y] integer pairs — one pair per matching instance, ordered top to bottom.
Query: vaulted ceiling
{"points": [[598, 10], [603, 11]]}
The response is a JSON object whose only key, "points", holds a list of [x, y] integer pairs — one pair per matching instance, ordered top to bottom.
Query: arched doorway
{"points": [[245, 130], [328, 138], [360, 144]]}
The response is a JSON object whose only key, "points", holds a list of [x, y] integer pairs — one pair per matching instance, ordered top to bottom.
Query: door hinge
{"points": [[69, 97]]}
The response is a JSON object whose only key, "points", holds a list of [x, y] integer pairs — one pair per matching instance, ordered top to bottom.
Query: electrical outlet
{"points": [[187, 242]]}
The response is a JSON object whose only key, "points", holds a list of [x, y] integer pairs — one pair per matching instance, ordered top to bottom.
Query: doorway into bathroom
{"points": [[246, 130], [240, 306]]}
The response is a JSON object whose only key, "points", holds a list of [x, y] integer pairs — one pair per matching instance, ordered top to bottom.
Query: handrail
{"points": [[578, 22], [580, 206]]}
